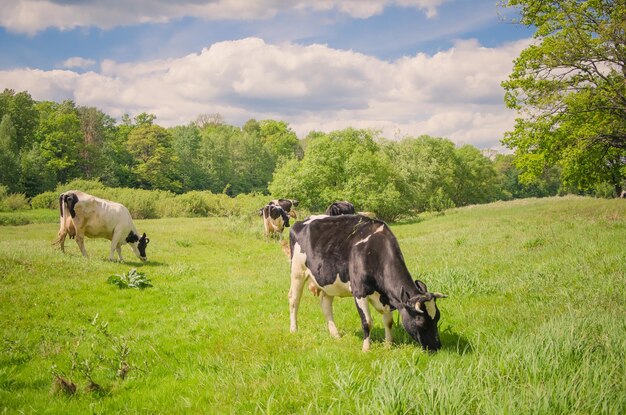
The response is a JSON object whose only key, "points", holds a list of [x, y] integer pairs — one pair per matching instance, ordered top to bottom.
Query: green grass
{"points": [[535, 322]]}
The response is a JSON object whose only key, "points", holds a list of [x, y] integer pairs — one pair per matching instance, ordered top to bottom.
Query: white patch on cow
{"points": [[314, 217], [367, 238], [298, 259], [337, 289], [378, 305], [431, 309]]}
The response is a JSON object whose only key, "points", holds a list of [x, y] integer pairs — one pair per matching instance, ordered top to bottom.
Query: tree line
{"points": [[44, 143]]}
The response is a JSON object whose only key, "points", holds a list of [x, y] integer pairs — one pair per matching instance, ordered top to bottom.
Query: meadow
{"points": [[535, 322]]}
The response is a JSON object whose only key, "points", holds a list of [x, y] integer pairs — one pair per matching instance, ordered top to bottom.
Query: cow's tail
{"points": [[67, 201], [62, 230]]}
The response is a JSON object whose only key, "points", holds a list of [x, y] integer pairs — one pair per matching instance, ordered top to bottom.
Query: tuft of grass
{"points": [[133, 279]]}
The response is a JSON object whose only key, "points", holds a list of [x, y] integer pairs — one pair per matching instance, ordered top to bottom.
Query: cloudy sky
{"points": [[405, 67]]}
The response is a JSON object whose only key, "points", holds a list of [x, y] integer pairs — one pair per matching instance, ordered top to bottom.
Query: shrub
{"points": [[88, 186], [604, 190], [46, 200], [15, 201], [11, 219], [133, 279]]}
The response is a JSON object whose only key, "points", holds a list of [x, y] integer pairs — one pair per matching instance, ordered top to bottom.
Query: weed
{"points": [[133, 279]]}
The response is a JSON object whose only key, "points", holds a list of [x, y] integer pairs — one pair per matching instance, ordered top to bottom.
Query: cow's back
{"points": [[98, 218], [328, 243]]}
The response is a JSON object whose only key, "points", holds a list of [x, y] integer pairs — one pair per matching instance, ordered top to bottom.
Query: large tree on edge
{"points": [[569, 88]]}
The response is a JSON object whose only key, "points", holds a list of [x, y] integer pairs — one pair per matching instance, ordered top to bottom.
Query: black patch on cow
{"points": [[70, 200], [286, 204], [340, 208], [275, 212], [132, 237], [143, 243]]}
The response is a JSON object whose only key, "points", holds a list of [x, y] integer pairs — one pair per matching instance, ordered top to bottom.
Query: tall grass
{"points": [[535, 322]]}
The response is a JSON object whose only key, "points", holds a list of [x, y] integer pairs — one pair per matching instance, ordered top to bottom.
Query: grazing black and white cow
{"points": [[287, 205], [340, 208], [85, 215], [275, 219], [353, 255]]}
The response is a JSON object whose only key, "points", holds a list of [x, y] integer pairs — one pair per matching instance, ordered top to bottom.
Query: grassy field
{"points": [[535, 322]]}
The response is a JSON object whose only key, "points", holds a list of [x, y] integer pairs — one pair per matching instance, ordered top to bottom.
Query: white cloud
{"points": [[32, 16], [77, 62], [455, 93]]}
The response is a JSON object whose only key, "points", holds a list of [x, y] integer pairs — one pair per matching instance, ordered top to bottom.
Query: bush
{"points": [[88, 186], [604, 190], [46, 200], [16, 201], [153, 204], [11, 219]]}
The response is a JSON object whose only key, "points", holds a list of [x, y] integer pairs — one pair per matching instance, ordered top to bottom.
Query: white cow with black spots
{"points": [[355, 256]]}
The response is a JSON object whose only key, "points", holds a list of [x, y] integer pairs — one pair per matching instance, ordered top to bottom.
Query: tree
{"points": [[569, 88], [24, 117], [96, 128], [60, 138], [279, 139], [154, 159], [9, 162], [347, 164], [428, 167], [36, 177], [476, 179]]}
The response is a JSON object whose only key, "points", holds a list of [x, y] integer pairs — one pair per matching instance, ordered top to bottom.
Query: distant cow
{"points": [[287, 205], [340, 208], [86, 215], [275, 219], [352, 255]]}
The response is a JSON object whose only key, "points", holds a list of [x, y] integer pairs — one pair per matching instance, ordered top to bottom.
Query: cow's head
{"points": [[285, 217], [138, 244], [420, 316]]}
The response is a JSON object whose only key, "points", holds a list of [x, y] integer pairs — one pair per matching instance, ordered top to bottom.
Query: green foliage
{"points": [[569, 88], [22, 110], [60, 138], [155, 159], [9, 161], [337, 166], [604, 190], [46, 200], [15, 201], [133, 279]]}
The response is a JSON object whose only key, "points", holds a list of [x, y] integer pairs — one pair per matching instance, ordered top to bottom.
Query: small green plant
{"points": [[133, 279]]}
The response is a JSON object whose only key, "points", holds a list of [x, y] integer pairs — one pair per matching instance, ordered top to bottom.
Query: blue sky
{"points": [[405, 67]]}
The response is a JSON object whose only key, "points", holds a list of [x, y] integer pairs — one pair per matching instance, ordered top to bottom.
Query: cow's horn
{"points": [[418, 307]]}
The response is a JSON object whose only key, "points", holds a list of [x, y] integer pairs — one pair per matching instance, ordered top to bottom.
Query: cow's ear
{"points": [[421, 286], [440, 295]]}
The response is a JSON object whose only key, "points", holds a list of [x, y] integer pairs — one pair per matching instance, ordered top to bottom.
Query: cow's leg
{"points": [[61, 238], [80, 241], [116, 245], [119, 252], [295, 293], [362, 304], [327, 308], [388, 322]]}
